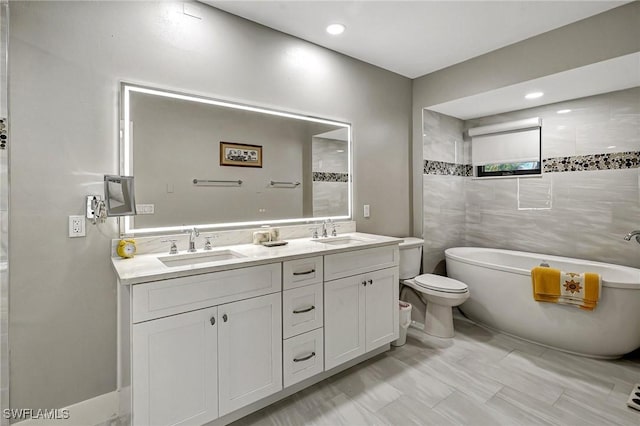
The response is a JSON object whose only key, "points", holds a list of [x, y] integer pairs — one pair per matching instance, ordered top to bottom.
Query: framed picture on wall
{"points": [[240, 155]]}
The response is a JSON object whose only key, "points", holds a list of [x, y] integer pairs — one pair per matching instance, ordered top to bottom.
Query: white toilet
{"points": [[441, 293]]}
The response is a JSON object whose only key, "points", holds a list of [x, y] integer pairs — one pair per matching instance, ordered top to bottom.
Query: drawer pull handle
{"points": [[310, 271], [370, 282], [364, 283], [302, 311], [225, 318], [213, 320], [311, 355]]}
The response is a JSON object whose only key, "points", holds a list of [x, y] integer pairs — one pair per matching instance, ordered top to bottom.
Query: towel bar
{"points": [[213, 182], [276, 183]]}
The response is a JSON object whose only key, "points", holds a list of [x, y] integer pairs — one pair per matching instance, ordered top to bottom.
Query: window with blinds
{"points": [[507, 149]]}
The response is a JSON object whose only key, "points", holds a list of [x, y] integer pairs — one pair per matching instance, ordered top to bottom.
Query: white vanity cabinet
{"points": [[361, 311], [208, 348]]}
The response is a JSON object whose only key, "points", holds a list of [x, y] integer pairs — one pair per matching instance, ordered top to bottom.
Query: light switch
{"points": [[145, 208], [367, 211]]}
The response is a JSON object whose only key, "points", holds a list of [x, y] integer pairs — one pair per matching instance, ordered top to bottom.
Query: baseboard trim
{"points": [[84, 413]]}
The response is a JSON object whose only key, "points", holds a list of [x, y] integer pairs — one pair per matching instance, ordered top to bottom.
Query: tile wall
{"points": [[445, 153], [330, 175], [586, 201]]}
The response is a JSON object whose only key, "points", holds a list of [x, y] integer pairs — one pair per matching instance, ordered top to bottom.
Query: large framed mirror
{"points": [[212, 163]]}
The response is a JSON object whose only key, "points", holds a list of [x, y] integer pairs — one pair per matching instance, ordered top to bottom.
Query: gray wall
{"points": [[607, 35], [65, 63], [579, 214], [4, 220]]}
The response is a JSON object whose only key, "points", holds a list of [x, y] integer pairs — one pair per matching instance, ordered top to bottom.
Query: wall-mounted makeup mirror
{"points": [[210, 163], [119, 195]]}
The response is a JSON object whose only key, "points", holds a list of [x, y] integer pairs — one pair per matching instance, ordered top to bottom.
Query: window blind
{"points": [[512, 142]]}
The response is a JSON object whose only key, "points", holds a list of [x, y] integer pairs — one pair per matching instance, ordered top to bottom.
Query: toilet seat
{"points": [[440, 284]]}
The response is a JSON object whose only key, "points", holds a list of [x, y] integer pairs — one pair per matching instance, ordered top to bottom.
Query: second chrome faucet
{"points": [[193, 234]]}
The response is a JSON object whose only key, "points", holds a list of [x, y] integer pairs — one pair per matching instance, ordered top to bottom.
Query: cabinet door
{"points": [[382, 307], [344, 327], [249, 350], [175, 369]]}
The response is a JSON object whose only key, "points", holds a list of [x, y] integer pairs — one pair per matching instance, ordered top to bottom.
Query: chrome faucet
{"points": [[193, 233], [633, 234]]}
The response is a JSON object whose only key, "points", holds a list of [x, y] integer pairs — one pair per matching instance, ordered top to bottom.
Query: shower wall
{"points": [[445, 171], [586, 201]]}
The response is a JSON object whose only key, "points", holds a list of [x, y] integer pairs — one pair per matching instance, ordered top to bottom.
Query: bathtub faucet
{"points": [[633, 234]]}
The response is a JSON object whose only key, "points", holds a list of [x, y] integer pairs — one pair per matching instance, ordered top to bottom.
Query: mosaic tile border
{"points": [[577, 163], [448, 169], [330, 177]]}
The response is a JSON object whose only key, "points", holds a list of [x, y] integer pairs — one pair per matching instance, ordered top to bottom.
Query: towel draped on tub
{"points": [[567, 288]]}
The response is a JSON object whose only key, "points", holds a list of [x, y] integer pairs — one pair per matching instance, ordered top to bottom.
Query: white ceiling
{"points": [[414, 38], [607, 76]]}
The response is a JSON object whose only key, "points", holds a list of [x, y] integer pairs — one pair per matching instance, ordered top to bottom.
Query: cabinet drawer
{"points": [[356, 262], [301, 272], [174, 296], [302, 310], [303, 357]]}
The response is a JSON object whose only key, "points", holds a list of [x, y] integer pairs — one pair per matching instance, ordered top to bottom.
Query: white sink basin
{"points": [[340, 240], [199, 257]]}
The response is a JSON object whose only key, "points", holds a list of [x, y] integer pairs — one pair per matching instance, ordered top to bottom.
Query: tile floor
{"points": [[479, 377]]}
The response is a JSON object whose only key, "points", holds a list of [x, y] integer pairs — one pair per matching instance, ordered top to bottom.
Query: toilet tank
{"points": [[410, 257]]}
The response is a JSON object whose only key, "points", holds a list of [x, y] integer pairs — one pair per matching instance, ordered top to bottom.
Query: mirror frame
{"points": [[127, 224]]}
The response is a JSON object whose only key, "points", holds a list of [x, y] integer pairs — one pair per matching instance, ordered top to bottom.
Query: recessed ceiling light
{"points": [[335, 29], [534, 95], [564, 111], [611, 146], [339, 150]]}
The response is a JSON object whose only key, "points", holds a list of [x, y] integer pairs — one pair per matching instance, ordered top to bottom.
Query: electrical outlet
{"points": [[367, 211], [76, 226]]}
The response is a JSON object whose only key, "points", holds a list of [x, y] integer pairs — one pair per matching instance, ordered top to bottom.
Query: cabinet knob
{"points": [[370, 282], [364, 283], [225, 317], [213, 320]]}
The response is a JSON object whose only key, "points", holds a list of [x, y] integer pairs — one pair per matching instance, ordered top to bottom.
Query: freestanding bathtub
{"points": [[501, 297]]}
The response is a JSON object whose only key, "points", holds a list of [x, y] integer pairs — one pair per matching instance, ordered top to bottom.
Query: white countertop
{"points": [[148, 267]]}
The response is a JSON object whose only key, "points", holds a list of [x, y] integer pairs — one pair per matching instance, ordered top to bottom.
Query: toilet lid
{"points": [[440, 283]]}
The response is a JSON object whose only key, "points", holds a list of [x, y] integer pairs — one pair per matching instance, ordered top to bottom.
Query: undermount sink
{"points": [[340, 240], [199, 257]]}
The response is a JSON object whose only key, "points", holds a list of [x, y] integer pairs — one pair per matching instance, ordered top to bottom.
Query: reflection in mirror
{"points": [[209, 163], [119, 195]]}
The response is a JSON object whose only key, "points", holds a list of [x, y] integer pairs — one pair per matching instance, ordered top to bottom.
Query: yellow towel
{"points": [[569, 288]]}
